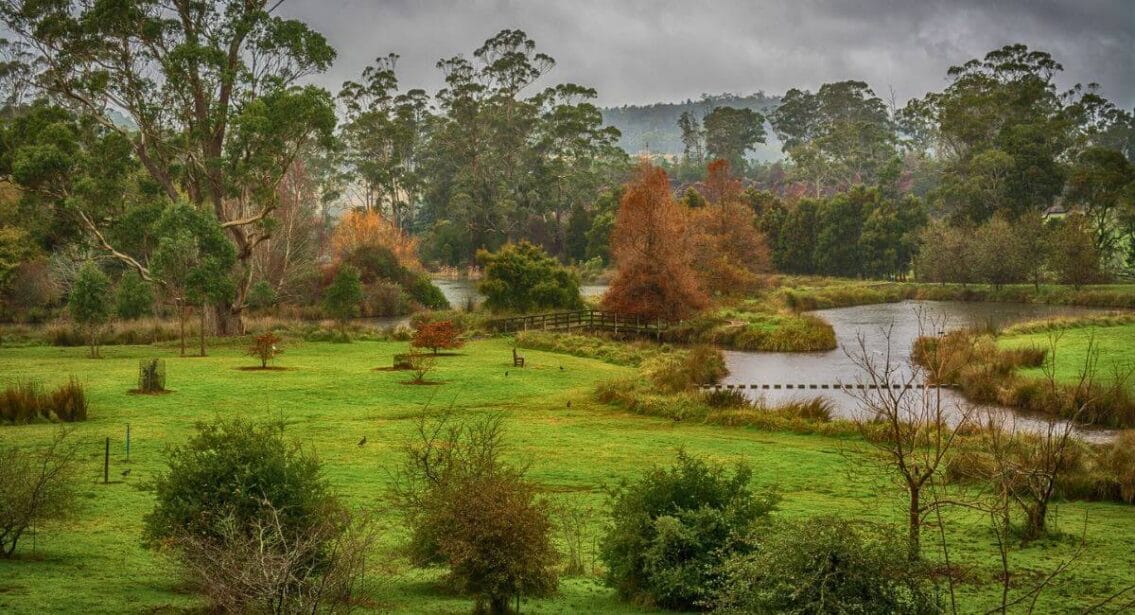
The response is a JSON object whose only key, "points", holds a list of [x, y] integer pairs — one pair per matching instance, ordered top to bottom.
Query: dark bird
{"points": [[561, 368], [506, 374], [569, 403], [363, 441], [126, 473]]}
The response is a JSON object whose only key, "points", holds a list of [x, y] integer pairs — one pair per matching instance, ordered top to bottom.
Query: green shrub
{"points": [[522, 277], [262, 296], [133, 298], [229, 471], [470, 510], [251, 519], [672, 529], [824, 565]]}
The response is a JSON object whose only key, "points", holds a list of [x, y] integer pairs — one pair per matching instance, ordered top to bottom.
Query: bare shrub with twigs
{"points": [[36, 485]]}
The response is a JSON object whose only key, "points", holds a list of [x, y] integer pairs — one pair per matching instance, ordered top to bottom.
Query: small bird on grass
{"points": [[561, 368], [506, 374], [569, 403], [362, 442], [126, 473]]}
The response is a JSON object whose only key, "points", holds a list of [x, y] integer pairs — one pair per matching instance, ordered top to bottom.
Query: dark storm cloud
{"points": [[638, 51]]}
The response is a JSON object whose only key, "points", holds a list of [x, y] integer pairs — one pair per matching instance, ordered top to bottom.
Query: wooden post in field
{"points": [[106, 464]]}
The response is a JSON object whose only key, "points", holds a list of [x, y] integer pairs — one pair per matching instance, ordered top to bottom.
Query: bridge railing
{"points": [[581, 319]]}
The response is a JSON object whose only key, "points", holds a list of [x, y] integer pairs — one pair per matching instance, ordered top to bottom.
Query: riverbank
{"points": [[809, 293], [1077, 369]]}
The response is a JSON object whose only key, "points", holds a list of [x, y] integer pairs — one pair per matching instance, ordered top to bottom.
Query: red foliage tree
{"points": [[729, 252], [654, 278], [436, 335], [265, 347]]}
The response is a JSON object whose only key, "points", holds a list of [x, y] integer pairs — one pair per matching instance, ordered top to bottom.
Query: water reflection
{"points": [[873, 322]]}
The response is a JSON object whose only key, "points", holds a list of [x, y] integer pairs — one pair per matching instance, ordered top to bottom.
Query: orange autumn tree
{"points": [[360, 229], [729, 252], [653, 278]]}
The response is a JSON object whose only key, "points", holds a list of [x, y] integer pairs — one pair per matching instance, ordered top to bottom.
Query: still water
{"points": [[458, 292], [903, 322]]}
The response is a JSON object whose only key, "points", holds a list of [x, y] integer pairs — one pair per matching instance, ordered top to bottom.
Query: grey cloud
{"points": [[640, 52]]}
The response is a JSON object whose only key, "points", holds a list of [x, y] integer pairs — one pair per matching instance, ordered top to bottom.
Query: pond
{"points": [[460, 291], [873, 324]]}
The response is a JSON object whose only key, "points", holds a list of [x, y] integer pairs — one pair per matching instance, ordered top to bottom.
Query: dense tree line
{"points": [[140, 138]]}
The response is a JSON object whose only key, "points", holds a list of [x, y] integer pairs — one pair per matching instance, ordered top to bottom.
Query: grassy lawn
{"points": [[1115, 344], [331, 397]]}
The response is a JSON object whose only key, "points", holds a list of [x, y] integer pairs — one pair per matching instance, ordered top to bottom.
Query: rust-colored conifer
{"points": [[654, 278]]}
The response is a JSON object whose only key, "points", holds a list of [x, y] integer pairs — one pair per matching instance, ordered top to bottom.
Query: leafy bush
{"points": [[523, 278], [262, 296], [342, 297], [133, 299], [90, 303], [436, 335], [265, 347], [231, 469], [36, 486], [476, 514], [253, 521], [672, 529], [824, 565]]}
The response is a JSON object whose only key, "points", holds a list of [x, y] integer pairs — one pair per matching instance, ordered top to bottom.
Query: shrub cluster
{"points": [[26, 400], [1089, 471], [478, 515], [253, 521], [672, 530], [825, 565]]}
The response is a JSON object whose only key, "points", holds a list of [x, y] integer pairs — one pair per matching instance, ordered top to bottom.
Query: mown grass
{"points": [[1112, 337], [331, 397]]}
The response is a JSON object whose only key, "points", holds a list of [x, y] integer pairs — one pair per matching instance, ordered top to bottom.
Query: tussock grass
{"points": [[26, 400]]}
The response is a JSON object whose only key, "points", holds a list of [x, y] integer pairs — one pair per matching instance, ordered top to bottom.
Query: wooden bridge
{"points": [[582, 320]]}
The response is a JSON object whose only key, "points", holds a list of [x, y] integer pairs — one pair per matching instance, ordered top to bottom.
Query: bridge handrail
{"points": [[588, 318]]}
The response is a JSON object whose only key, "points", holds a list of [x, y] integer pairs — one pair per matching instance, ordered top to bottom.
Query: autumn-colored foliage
{"points": [[360, 229], [729, 251], [654, 278], [436, 335], [265, 347]]}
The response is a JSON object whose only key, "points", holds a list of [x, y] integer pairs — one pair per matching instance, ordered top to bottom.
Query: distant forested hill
{"points": [[654, 128]]}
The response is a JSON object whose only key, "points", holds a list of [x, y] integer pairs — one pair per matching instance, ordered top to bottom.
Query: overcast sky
{"points": [[641, 52]]}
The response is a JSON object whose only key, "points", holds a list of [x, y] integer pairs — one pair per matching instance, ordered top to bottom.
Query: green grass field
{"points": [[1115, 345], [331, 397]]}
